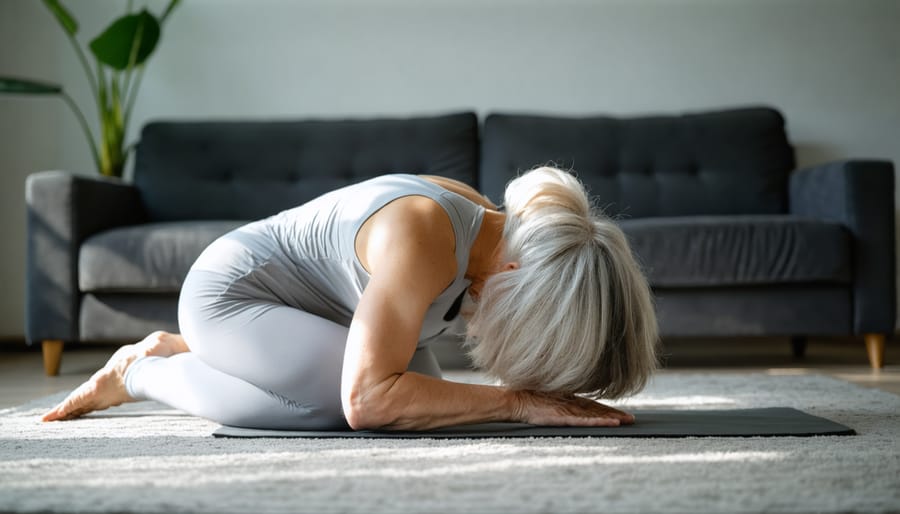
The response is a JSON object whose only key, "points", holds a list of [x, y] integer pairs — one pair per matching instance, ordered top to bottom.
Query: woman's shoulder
{"points": [[461, 188], [409, 224]]}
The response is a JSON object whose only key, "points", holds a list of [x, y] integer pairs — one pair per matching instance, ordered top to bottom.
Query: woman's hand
{"points": [[555, 409]]}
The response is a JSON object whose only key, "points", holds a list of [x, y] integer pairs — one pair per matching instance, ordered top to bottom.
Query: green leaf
{"points": [[172, 5], [63, 16], [113, 46], [28, 87]]}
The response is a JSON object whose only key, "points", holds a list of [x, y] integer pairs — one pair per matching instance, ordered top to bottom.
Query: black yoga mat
{"points": [[769, 422]]}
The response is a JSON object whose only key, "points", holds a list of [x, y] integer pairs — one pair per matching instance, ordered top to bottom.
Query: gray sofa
{"points": [[735, 241]]}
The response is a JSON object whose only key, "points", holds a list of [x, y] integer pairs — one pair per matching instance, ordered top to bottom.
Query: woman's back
{"points": [[305, 257]]}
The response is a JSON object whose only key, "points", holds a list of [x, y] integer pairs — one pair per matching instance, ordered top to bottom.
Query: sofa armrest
{"points": [[860, 195], [63, 210]]}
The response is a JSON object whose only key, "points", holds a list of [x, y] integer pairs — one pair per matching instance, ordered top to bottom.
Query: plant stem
{"points": [[132, 57], [84, 64], [133, 94], [102, 109], [84, 127]]}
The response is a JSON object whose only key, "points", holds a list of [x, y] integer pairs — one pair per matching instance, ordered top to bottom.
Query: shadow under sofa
{"points": [[735, 242]]}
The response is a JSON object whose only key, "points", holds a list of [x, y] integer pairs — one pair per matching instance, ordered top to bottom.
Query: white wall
{"points": [[831, 66], [29, 140]]}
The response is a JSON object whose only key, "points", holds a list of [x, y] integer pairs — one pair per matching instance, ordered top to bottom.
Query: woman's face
{"points": [[477, 284], [475, 288], [469, 305]]}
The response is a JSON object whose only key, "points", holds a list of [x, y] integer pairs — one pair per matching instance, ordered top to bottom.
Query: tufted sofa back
{"points": [[726, 162], [244, 170]]}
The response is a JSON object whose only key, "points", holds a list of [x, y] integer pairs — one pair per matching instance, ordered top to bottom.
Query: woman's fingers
{"points": [[558, 409], [603, 413], [622, 416], [593, 421]]}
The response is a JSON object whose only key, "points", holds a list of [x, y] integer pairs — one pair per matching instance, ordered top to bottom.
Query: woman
{"points": [[320, 317]]}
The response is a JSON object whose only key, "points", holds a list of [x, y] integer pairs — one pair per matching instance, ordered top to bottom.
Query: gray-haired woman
{"points": [[320, 317]]}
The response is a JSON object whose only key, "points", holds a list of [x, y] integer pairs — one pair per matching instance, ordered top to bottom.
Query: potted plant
{"points": [[120, 53]]}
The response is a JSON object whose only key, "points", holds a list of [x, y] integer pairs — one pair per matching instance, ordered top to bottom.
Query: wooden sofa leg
{"points": [[798, 346], [875, 347], [52, 350]]}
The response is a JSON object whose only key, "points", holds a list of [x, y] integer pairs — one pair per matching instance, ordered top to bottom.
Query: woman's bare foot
{"points": [[106, 387]]}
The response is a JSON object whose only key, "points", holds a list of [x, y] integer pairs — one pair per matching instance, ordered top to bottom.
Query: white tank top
{"points": [[305, 257]]}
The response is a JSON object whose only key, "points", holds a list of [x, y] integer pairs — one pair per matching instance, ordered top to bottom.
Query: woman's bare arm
{"points": [[409, 253]]}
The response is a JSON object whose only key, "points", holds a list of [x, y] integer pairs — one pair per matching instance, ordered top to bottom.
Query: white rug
{"points": [[147, 458]]}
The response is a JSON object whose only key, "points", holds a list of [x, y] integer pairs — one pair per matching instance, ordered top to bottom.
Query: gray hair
{"points": [[577, 316]]}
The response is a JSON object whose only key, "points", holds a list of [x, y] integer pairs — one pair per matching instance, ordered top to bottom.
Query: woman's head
{"points": [[576, 315]]}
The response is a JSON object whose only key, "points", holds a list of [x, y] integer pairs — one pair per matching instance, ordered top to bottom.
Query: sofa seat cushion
{"points": [[707, 251], [154, 257]]}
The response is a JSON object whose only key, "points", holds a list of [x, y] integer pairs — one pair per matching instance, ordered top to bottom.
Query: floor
{"points": [[22, 377]]}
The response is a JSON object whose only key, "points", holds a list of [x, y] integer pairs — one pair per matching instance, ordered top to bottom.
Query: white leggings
{"points": [[253, 362]]}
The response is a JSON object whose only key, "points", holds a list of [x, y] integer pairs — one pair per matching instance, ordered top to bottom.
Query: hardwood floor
{"points": [[841, 358], [22, 377]]}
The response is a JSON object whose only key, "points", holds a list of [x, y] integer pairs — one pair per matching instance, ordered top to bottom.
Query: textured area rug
{"points": [[145, 457]]}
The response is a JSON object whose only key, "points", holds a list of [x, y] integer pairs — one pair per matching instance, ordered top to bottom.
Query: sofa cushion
{"points": [[727, 162], [252, 169], [702, 251], [145, 258], [780, 310], [118, 317]]}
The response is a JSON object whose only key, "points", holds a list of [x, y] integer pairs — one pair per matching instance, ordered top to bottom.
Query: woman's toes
{"points": [[105, 389], [79, 400], [57, 414], [52, 415]]}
